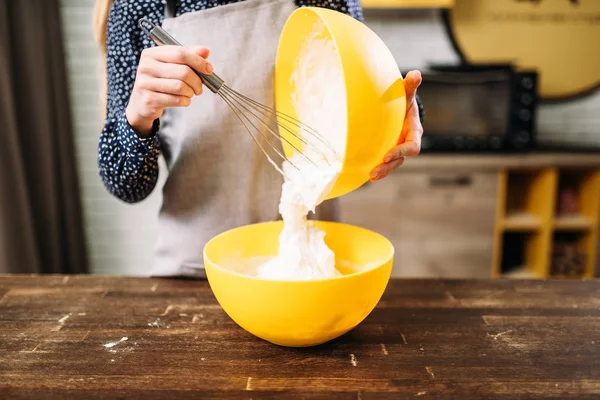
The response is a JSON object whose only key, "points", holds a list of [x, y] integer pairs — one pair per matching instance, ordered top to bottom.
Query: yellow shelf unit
{"points": [[392, 4], [533, 236]]}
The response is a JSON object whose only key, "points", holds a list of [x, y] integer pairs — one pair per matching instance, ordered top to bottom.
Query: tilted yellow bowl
{"points": [[375, 93], [298, 313]]}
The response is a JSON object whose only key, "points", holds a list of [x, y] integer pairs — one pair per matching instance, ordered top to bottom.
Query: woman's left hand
{"points": [[409, 144]]}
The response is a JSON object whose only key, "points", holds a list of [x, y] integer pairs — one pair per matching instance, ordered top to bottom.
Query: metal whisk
{"points": [[253, 114]]}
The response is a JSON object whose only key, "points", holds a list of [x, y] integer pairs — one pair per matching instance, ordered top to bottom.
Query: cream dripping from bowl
{"points": [[320, 102]]}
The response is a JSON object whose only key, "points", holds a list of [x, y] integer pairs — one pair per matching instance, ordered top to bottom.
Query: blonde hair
{"points": [[100, 20]]}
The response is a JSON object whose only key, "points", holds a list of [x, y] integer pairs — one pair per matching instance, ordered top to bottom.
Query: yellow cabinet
{"points": [[407, 3], [550, 215]]}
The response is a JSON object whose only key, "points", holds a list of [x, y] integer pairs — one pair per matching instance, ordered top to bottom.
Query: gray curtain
{"points": [[41, 229]]}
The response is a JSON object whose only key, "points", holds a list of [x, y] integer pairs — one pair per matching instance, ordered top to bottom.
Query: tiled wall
{"points": [[120, 236]]}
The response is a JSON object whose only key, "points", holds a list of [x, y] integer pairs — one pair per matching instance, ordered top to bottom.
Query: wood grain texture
{"points": [[427, 339]]}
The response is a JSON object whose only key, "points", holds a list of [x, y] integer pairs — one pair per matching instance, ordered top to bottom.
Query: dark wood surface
{"points": [[427, 339]]}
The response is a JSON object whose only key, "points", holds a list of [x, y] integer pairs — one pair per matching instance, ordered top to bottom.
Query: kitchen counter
{"points": [[477, 162], [105, 337]]}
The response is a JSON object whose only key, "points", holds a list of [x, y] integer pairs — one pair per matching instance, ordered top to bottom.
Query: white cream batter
{"points": [[320, 102], [303, 253]]}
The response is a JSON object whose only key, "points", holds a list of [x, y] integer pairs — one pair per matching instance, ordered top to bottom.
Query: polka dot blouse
{"points": [[128, 164]]}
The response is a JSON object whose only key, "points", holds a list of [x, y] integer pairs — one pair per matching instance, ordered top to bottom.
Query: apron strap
{"points": [[170, 9]]}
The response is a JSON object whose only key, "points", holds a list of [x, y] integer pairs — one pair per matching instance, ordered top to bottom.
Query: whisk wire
{"points": [[247, 107], [241, 116], [302, 126]]}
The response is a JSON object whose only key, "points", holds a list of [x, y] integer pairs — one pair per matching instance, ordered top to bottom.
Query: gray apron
{"points": [[218, 178]]}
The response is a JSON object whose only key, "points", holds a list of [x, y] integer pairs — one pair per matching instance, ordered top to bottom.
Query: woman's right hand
{"points": [[165, 78]]}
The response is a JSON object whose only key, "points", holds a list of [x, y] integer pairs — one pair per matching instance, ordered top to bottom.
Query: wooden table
{"points": [[108, 337]]}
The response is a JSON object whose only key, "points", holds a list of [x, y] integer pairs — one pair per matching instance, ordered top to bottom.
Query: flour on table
{"points": [[113, 344]]}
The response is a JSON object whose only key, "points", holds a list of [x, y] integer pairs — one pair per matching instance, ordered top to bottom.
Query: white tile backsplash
{"points": [[414, 38], [120, 236]]}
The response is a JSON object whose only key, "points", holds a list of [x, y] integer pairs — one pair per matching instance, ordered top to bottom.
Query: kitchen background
{"points": [[448, 214]]}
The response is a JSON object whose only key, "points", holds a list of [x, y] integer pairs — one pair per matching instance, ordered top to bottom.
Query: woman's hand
{"points": [[165, 78], [409, 144]]}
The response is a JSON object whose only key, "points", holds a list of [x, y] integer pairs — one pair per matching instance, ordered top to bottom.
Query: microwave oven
{"points": [[478, 108]]}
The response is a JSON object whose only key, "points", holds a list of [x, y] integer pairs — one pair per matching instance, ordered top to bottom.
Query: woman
{"points": [[218, 178]]}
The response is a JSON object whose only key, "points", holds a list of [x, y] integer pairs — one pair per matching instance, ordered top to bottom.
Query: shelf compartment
{"points": [[530, 192], [578, 194], [521, 255], [572, 255]]}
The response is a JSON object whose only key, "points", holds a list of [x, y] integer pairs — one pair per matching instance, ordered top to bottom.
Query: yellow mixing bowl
{"points": [[375, 93], [298, 313]]}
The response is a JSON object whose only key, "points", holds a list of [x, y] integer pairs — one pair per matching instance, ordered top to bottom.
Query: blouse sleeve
{"points": [[128, 164]]}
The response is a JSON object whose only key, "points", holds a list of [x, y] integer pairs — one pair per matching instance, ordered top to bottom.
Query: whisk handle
{"points": [[162, 37]]}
